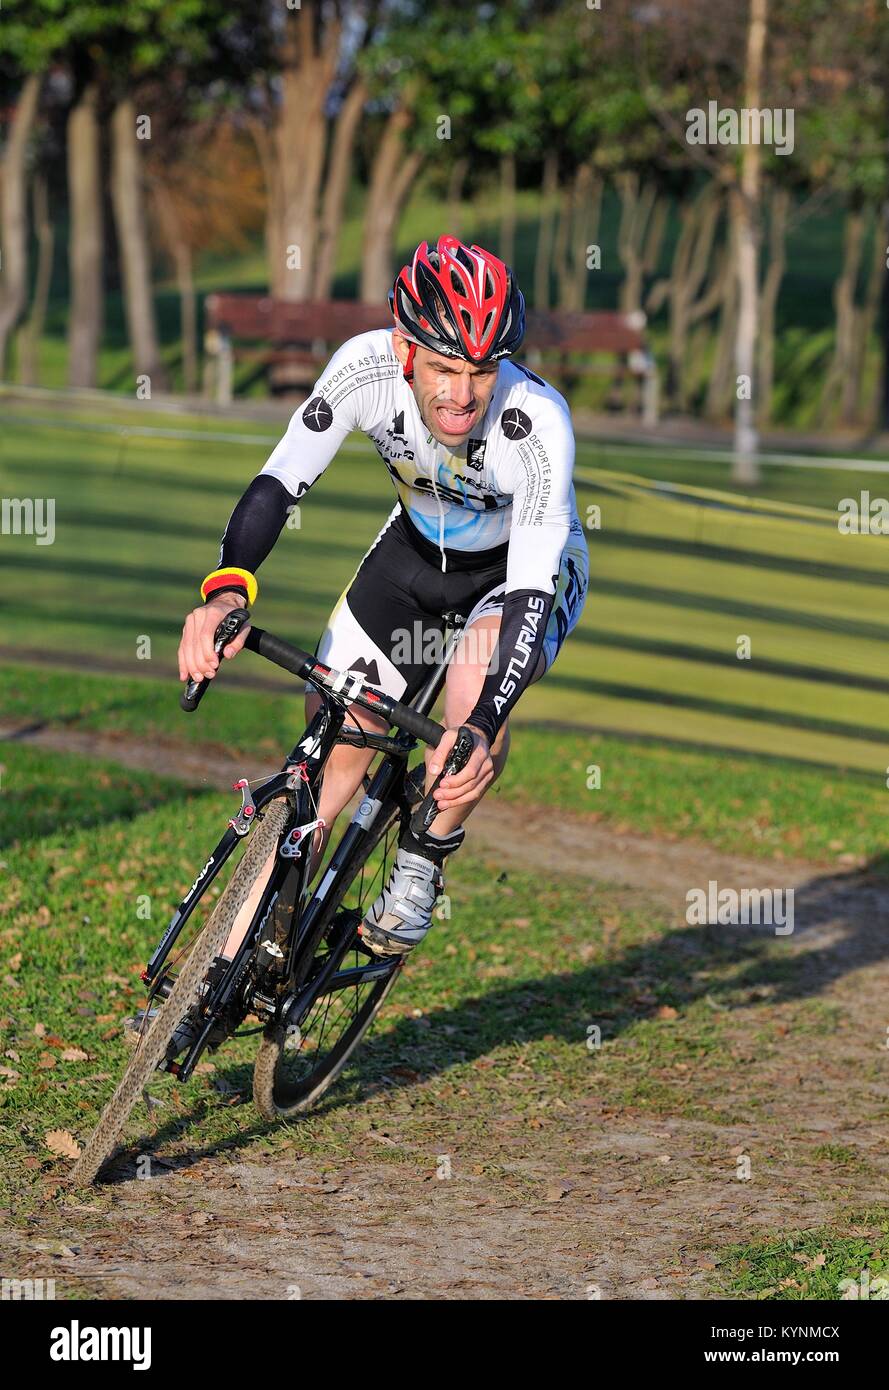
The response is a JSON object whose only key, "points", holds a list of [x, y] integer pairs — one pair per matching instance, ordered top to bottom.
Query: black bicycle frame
{"points": [[300, 782]]}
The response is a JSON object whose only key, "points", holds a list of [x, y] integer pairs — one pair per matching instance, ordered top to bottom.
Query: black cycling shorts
{"points": [[387, 623]]}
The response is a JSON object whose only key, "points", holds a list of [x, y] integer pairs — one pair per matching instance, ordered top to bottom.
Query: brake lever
{"points": [[227, 630], [457, 759]]}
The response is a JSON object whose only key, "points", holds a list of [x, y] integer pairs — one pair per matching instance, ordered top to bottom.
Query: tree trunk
{"points": [[310, 52], [263, 142], [394, 170], [456, 181], [336, 186], [128, 200], [780, 207], [507, 208], [745, 208], [585, 211], [14, 213], [579, 214], [545, 230], [639, 237], [86, 239], [562, 239], [180, 254], [688, 301], [844, 309], [866, 321], [32, 331], [883, 382], [881, 385], [720, 396]]}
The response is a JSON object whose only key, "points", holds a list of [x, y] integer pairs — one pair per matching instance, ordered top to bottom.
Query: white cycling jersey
{"points": [[508, 484]]}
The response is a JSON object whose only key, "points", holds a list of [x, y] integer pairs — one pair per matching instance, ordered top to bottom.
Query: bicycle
{"points": [[301, 970]]}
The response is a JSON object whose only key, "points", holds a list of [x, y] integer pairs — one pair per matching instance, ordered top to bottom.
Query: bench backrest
{"points": [[250, 317]]}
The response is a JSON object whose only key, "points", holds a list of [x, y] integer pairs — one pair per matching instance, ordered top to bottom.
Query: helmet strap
{"points": [[409, 364]]}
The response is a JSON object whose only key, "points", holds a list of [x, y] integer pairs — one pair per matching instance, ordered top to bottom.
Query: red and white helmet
{"points": [[460, 301]]}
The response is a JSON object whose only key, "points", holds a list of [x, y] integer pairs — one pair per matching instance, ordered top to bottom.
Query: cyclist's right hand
{"points": [[197, 659]]}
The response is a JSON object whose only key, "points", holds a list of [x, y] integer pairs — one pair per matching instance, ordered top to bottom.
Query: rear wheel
{"points": [[297, 1064]]}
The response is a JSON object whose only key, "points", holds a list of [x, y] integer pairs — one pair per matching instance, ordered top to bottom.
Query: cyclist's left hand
{"points": [[466, 786]]}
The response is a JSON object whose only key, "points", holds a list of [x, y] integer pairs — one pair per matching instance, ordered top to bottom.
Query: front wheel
{"points": [[185, 993]]}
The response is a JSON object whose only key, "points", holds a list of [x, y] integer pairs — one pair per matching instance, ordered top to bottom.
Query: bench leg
{"points": [[224, 370], [650, 399]]}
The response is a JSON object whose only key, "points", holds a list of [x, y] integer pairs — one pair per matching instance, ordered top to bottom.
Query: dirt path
{"points": [[593, 1201]]}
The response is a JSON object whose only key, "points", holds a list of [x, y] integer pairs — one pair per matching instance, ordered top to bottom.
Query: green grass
{"points": [[696, 467], [674, 586], [38, 790], [739, 803], [506, 988], [818, 1264]]}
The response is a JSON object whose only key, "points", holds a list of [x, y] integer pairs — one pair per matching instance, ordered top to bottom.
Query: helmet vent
{"points": [[459, 301]]}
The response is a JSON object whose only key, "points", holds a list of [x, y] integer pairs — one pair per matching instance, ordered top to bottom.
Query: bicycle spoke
{"points": [[338, 1019]]}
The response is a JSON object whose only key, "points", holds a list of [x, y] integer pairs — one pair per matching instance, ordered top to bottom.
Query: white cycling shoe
{"points": [[402, 914]]}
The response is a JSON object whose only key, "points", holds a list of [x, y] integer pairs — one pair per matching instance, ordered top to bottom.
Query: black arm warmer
{"points": [[255, 525], [519, 645]]}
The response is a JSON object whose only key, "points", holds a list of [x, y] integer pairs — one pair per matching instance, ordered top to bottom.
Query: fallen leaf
{"points": [[75, 1054], [46, 1059], [62, 1142], [54, 1247]]}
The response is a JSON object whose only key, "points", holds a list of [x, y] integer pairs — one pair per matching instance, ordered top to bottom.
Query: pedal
{"points": [[135, 1028]]}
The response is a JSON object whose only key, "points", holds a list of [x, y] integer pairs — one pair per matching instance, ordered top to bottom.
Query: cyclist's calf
{"points": [[343, 773]]}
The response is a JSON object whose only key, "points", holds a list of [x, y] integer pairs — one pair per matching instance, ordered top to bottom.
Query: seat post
{"points": [[453, 623]]}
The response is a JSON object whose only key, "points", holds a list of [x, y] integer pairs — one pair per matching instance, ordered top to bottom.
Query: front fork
{"points": [[303, 766]]}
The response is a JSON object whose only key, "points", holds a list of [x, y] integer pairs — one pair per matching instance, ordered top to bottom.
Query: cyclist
{"points": [[480, 451]]}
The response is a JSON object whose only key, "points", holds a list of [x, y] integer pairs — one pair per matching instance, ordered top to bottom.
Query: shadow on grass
{"points": [[58, 798], [837, 929]]}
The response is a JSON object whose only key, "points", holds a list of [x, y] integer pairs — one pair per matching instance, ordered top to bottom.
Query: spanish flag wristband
{"points": [[230, 578]]}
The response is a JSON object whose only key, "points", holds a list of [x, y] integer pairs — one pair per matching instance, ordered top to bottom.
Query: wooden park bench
{"points": [[294, 340]]}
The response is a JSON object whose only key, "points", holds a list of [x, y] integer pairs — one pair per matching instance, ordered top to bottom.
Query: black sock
{"points": [[429, 846]]}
